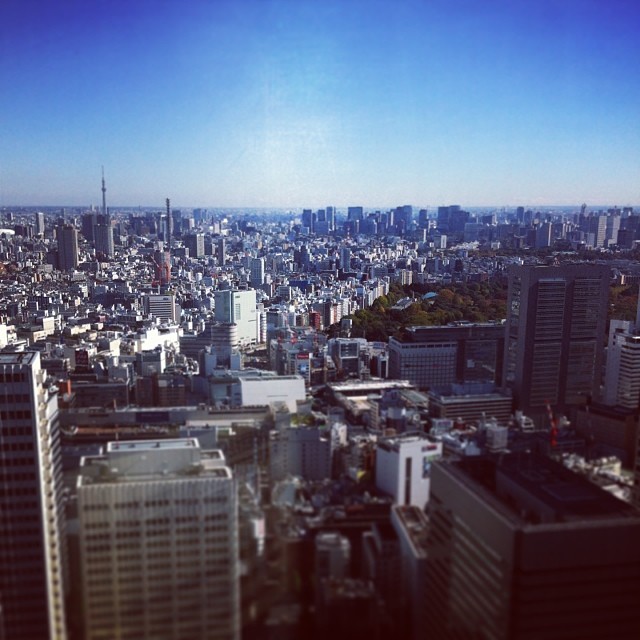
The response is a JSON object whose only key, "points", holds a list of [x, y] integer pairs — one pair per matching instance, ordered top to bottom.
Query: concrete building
{"points": [[103, 237], [195, 243], [67, 247], [257, 272], [162, 307], [239, 308], [556, 319], [440, 356], [622, 377], [265, 390], [472, 405], [304, 451], [403, 468], [411, 526], [32, 531], [158, 542], [520, 547]]}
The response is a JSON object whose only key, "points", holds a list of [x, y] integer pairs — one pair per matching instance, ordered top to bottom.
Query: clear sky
{"points": [[297, 103]]}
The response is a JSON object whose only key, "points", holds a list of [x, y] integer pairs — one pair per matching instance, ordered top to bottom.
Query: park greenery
{"points": [[472, 302]]}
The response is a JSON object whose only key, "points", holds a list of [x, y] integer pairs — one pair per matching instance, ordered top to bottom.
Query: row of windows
{"points": [[12, 377], [15, 414], [17, 431], [16, 446], [18, 462]]}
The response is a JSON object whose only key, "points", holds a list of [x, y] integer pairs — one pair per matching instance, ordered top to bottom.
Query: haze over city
{"points": [[291, 104]]}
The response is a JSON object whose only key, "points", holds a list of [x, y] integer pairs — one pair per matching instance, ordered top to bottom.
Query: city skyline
{"points": [[283, 104]]}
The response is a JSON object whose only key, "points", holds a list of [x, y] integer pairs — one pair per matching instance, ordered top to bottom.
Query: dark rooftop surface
{"points": [[538, 489]]}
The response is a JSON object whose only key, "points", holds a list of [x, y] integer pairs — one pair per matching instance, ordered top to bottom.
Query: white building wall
{"points": [[239, 308], [264, 391], [392, 456], [154, 548]]}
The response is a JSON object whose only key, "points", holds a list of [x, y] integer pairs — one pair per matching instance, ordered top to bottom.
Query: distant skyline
{"points": [[273, 103]]}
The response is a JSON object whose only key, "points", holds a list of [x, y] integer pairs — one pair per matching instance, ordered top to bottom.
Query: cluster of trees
{"points": [[623, 301], [475, 302]]}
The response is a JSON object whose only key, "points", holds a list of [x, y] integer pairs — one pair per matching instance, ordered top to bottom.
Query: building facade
{"points": [[67, 247], [239, 308], [556, 320], [437, 357], [32, 530], [158, 542], [520, 547]]}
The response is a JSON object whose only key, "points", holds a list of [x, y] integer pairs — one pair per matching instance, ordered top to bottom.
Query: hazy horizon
{"points": [[283, 104]]}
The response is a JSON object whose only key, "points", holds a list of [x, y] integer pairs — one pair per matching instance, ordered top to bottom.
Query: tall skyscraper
{"points": [[39, 223], [103, 238], [195, 243], [67, 247], [222, 254], [257, 272], [239, 308], [556, 319], [159, 542], [32, 545], [520, 547]]}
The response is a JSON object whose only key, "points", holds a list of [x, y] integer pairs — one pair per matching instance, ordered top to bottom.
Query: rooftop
{"points": [[18, 358], [147, 445], [536, 489]]}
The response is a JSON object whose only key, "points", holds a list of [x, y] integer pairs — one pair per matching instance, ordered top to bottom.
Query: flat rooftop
{"points": [[18, 358], [153, 445], [537, 489]]}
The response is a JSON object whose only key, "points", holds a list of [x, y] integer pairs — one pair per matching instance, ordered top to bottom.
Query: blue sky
{"points": [[296, 103]]}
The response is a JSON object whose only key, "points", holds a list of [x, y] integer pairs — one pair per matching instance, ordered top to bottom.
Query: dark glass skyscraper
{"points": [[556, 320], [32, 548]]}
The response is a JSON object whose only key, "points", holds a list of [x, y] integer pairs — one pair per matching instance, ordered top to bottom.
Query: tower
{"points": [[104, 196], [169, 224], [40, 226], [67, 247], [257, 272], [556, 318], [159, 542], [32, 545], [520, 547]]}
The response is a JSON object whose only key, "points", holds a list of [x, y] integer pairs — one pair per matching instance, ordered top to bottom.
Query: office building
{"points": [[40, 225], [103, 238], [195, 243], [67, 247], [221, 252], [257, 272], [162, 307], [239, 308], [556, 319], [440, 356], [622, 376], [403, 468], [158, 542], [32, 545], [521, 547]]}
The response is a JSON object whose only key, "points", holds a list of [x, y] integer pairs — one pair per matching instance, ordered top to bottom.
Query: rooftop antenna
{"points": [[104, 195], [169, 225]]}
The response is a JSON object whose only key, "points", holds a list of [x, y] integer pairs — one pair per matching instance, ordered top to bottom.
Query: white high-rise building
{"points": [[239, 308], [622, 377], [403, 468], [159, 542], [32, 545]]}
